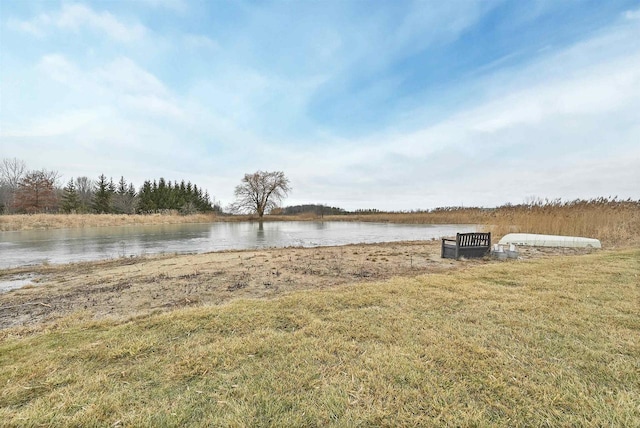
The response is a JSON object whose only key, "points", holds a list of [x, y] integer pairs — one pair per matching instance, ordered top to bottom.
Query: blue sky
{"points": [[363, 104]]}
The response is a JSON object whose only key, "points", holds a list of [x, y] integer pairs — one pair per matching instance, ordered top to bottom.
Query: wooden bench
{"points": [[467, 245]]}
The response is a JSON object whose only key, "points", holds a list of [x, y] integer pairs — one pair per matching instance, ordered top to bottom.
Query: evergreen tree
{"points": [[122, 186], [162, 195], [171, 195], [102, 196], [70, 198], [146, 203]]}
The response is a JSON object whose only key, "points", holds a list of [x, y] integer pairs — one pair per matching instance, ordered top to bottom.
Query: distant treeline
{"points": [[36, 191], [154, 196], [181, 196], [312, 208]]}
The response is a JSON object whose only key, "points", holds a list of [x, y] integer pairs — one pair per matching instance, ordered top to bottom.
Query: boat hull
{"points": [[536, 240]]}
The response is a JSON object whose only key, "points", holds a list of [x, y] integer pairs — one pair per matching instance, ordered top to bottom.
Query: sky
{"points": [[392, 105]]}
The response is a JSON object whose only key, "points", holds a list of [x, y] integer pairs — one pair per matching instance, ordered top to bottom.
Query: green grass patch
{"points": [[551, 342]]}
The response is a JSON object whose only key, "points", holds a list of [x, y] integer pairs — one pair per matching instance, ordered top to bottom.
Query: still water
{"points": [[71, 245]]}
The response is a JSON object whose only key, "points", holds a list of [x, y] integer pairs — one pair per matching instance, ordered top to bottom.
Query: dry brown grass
{"points": [[59, 221], [614, 222], [128, 287], [550, 342]]}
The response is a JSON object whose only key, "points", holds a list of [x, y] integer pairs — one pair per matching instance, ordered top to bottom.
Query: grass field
{"points": [[547, 342]]}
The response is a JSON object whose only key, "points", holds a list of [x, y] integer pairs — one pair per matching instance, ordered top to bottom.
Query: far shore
{"points": [[15, 222], [615, 223]]}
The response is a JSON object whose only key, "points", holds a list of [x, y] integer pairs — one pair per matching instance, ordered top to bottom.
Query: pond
{"points": [[31, 247]]}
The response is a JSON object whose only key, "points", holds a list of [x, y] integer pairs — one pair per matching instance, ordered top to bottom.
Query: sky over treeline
{"points": [[393, 105]]}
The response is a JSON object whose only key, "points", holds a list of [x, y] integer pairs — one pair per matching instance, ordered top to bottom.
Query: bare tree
{"points": [[11, 172], [84, 187], [260, 192], [124, 198]]}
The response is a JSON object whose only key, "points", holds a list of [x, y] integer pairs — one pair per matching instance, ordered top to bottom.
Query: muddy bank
{"points": [[125, 288]]}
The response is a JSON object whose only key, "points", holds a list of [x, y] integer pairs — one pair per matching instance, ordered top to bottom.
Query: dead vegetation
{"points": [[65, 221], [614, 222], [133, 286], [544, 342]]}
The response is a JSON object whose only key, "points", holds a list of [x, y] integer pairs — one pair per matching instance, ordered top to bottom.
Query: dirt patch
{"points": [[126, 288]]}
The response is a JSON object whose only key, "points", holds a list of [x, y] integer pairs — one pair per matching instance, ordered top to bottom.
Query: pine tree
{"points": [[122, 186], [102, 196], [70, 198], [146, 203]]}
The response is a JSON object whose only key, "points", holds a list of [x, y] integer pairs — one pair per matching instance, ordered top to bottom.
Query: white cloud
{"points": [[175, 5], [632, 14], [74, 17], [35, 27], [198, 41], [58, 68], [123, 74], [605, 88], [154, 104], [55, 125], [565, 126]]}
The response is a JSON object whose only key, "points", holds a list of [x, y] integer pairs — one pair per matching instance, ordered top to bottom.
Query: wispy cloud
{"points": [[173, 5], [632, 14], [76, 17], [198, 41], [124, 75], [560, 121]]}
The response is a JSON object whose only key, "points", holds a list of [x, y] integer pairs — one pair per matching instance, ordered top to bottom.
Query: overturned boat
{"points": [[535, 240]]}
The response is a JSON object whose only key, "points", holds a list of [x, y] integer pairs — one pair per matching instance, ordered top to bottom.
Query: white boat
{"points": [[535, 240]]}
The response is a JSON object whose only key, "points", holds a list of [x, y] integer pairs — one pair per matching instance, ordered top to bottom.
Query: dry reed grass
{"points": [[61, 221], [614, 222], [552, 342]]}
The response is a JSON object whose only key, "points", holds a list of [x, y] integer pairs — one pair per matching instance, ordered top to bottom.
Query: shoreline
{"points": [[122, 289]]}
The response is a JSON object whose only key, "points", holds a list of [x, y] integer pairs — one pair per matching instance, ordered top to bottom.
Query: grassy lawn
{"points": [[549, 342]]}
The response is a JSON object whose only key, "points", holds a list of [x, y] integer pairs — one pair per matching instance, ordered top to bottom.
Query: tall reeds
{"points": [[59, 221], [615, 222]]}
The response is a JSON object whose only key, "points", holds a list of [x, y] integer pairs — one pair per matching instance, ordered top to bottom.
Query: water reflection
{"points": [[260, 236], [69, 245]]}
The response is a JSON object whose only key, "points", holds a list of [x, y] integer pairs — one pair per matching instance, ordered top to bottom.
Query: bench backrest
{"points": [[473, 240]]}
